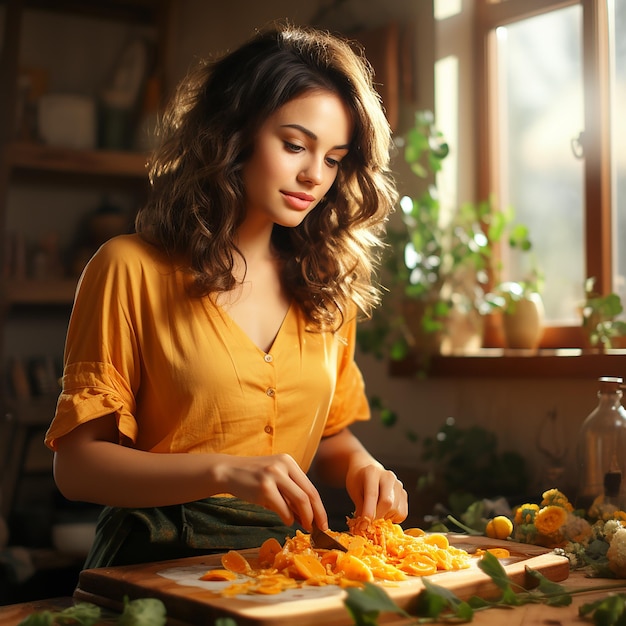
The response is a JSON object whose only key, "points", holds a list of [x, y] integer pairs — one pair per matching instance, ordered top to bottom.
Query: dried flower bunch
{"points": [[594, 540]]}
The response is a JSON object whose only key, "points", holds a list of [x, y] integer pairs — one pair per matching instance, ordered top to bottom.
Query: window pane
{"points": [[447, 8], [617, 24], [539, 63]]}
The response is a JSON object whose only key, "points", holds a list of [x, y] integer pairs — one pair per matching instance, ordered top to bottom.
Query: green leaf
{"points": [[388, 417], [491, 566], [555, 594], [434, 600], [479, 603], [430, 604], [364, 605], [610, 611], [143, 612], [465, 612], [82, 613], [40, 618], [225, 621]]}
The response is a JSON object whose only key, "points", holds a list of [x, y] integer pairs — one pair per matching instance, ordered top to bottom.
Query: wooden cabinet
{"points": [[51, 172]]}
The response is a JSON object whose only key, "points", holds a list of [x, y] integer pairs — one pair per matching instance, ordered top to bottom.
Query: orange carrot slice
{"points": [[268, 551], [236, 562], [308, 566], [354, 569], [218, 575]]}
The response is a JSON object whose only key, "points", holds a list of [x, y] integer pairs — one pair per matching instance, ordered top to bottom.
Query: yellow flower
{"points": [[554, 497], [525, 514], [549, 519]]}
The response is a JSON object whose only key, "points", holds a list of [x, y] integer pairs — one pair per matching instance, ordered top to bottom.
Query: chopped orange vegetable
{"points": [[437, 539], [376, 550], [268, 551], [499, 553], [235, 562], [418, 565], [308, 566], [353, 568], [218, 574], [270, 587]]}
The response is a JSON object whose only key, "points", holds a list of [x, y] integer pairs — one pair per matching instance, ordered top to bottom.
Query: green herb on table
{"points": [[438, 604], [364, 605], [140, 612], [143, 612], [607, 612], [83, 613]]}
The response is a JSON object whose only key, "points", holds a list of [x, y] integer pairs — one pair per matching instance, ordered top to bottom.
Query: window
{"points": [[617, 77], [550, 92]]}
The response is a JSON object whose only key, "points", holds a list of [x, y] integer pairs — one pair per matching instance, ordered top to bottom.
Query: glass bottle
{"points": [[601, 450]]}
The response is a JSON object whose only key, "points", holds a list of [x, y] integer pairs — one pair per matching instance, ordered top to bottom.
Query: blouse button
{"points": [[268, 358], [271, 392], [268, 430]]}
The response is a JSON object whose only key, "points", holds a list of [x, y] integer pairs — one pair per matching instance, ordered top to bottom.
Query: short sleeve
{"points": [[100, 373], [349, 402]]}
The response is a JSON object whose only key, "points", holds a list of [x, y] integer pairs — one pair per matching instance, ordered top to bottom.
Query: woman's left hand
{"points": [[376, 492]]}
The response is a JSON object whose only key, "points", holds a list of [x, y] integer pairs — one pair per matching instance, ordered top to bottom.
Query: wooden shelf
{"points": [[137, 11], [36, 157], [41, 292], [500, 363]]}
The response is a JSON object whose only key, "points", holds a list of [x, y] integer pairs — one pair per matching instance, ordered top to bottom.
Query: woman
{"points": [[209, 357]]}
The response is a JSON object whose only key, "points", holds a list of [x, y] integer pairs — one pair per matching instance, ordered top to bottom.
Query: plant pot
{"points": [[523, 325], [461, 331], [464, 332], [424, 341]]}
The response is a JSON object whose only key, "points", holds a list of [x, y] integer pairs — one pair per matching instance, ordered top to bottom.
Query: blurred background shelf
{"points": [[34, 157], [41, 292]]}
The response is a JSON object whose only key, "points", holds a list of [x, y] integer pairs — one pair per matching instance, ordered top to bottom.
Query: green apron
{"points": [[127, 536]]}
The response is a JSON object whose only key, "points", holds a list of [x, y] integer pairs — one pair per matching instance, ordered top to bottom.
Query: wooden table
{"points": [[539, 614], [528, 615]]}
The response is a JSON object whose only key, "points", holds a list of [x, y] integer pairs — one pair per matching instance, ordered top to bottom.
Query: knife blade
{"points": [[323, 541]]}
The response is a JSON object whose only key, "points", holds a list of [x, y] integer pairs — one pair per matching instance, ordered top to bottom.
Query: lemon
{"points": [[500, 527]]}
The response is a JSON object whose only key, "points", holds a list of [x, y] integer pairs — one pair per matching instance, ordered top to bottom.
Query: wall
{"points": [[518, 411]]}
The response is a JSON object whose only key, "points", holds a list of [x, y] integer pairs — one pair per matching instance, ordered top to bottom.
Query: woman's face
{"points": [[296, 156]]}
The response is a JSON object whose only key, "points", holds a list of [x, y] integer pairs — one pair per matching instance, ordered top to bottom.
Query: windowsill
{"points": [[503, 363]]}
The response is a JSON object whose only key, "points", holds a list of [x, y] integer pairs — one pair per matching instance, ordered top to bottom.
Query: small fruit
{"points": [[500, 527]]}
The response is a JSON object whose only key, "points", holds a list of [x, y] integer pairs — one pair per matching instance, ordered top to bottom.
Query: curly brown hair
{"points": [[208, 131]]}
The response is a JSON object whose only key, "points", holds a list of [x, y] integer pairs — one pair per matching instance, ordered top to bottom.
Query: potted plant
{"points": [[439, 262], [439, 265], [519, 301], [599, 317]]}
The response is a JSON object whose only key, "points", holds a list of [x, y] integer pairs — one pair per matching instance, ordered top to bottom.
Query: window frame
{"points": [[597, 173]]}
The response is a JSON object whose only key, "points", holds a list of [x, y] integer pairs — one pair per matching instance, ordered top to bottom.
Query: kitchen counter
{"points": [[528, 615]]}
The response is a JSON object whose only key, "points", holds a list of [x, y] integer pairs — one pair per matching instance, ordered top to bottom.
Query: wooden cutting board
{"points": [[193, 601]]}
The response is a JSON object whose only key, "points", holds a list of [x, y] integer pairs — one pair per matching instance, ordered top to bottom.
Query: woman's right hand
{"points": [[91, 466], [276, 482]]}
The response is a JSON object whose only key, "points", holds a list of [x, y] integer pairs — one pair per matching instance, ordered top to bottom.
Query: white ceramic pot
{"points": [[68, 121], [523, 326]]}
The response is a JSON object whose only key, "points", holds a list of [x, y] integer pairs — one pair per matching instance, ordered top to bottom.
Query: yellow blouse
{"points": [[181, 376]]}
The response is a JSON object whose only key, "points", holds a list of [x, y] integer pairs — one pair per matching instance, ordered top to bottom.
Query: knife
{"points": [[323, 541]]}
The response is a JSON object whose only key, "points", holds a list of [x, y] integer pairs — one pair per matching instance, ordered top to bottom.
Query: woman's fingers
{"points": [[278, 483], [377, 493]]}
